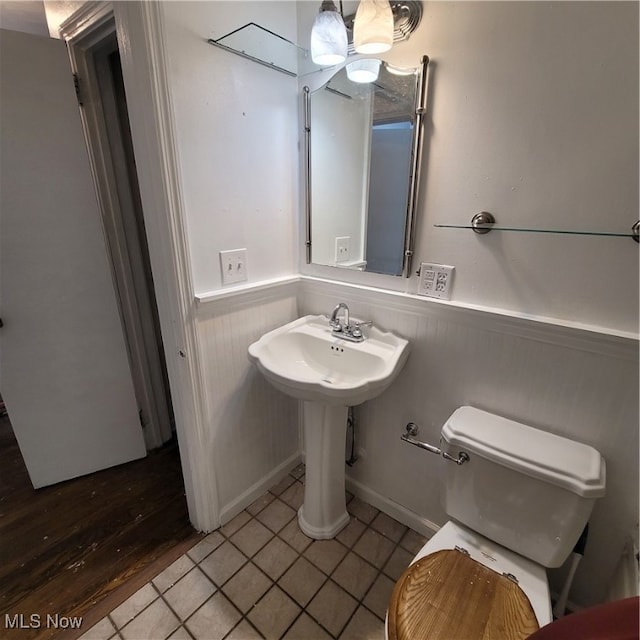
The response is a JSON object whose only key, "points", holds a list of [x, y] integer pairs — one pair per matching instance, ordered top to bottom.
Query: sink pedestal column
{"points": [[324, 511]]}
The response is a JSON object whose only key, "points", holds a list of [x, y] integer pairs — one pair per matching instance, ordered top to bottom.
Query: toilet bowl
{"points": [[519, 501]]}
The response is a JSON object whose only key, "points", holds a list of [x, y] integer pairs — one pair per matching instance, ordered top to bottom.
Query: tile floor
{"points": [[259, 576]]}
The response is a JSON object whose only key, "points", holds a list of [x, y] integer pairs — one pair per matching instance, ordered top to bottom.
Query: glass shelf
{"points": [[267, 48], [485, 228]]}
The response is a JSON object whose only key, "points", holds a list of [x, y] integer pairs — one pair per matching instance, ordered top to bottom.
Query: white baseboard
{"points": [[393, 509], [229, 511]]}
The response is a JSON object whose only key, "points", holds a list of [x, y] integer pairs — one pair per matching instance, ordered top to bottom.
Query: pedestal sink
{"points": [[305, 360]]}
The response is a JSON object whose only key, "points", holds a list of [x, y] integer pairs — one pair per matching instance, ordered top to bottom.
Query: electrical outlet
{"points": [[342, 248], [233, 265], [435, 280]]}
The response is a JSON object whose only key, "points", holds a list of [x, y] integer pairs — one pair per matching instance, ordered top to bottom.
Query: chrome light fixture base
{"points": [[407, 15]]}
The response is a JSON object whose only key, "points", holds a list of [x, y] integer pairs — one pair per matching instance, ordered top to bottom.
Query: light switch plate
{"points": [[233, 266], [435, 280]]}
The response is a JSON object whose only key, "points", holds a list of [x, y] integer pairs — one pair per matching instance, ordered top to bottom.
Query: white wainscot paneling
{"points": [[577, 383], [253, 430]]}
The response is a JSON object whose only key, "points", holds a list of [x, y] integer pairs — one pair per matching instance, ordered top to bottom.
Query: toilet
{"points": [[518, 505]]}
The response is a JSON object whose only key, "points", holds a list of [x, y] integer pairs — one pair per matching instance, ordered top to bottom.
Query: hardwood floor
{"points": [[80, 546]]}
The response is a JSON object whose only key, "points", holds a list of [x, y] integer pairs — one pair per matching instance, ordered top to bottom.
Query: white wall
{"points": [[533, 116], [236, 125], [236, 136], [252, 431]]}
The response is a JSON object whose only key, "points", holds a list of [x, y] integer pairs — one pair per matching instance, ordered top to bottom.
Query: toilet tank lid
{"points": [[572, 465]]}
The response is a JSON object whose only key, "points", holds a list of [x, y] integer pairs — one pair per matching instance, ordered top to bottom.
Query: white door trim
{"points": [[140, 33]]}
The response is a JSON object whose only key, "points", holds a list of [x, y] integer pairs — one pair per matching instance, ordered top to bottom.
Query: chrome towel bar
{"points": [[412, 430]]}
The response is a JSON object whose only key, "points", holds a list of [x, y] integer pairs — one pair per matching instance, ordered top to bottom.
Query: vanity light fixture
{"points": [[373, 27], [328, 36], [363, 70]]}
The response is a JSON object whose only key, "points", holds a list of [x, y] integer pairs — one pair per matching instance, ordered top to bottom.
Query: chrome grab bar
{"points": [[412, 430]]}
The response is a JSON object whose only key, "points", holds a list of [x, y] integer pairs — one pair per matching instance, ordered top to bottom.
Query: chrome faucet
{"points": [[334, 323], [346, 330]]}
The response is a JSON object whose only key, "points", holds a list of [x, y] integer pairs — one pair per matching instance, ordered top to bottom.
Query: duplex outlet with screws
{"points": [[435, 280]]}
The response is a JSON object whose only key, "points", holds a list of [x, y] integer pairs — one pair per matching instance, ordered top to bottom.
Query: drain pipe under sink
{"points": [[351, 429]]}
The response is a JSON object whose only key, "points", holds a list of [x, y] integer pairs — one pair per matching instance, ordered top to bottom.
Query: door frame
{"points": [[140, 34], [127, 268]]}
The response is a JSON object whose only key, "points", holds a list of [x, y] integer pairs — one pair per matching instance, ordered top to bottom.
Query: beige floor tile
{"points": [[285, 483], [294, 495], [258, 505], [361, 510], [276, 515], [233, 525], [388, 527], [350, 534], [292, 535], [251, 538], [413, 541], [374, 547], [201, 550], [325, 554], [275, 558], [400, 559], [223, 563], [173, 573], [355, 575], [302, 581], [247, 587], [189, 593], [377, 599], [131, 607], [332, 607], [274, 613], [214, 619], [156, 621], [363, 626], [306, 628], [102, 630], [244, 631], [180, 634]]}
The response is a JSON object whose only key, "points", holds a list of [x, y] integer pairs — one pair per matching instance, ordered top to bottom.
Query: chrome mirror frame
{"points": [[412, 199]]}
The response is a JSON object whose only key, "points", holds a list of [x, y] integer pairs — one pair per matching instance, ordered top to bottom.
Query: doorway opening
{"points": [[106, 123]]}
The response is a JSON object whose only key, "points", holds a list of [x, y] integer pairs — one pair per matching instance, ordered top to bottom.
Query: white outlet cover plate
{"points": [[342, 248], [435, 280]]}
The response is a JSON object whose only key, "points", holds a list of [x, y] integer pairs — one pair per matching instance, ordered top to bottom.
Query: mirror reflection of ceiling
{"points": [[394, 94]]}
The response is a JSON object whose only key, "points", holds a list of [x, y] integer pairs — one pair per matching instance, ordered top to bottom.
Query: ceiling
{"points": [[24, 15]]}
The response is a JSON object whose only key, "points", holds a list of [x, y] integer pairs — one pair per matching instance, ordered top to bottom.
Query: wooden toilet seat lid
{"points": [[449, 596]]}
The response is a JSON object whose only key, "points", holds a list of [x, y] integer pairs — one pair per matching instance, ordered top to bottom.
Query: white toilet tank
{"points": [[526, 489]]}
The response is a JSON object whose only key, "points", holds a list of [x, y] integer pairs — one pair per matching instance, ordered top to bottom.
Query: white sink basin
{"points": [[305, 361], [328, 374]]}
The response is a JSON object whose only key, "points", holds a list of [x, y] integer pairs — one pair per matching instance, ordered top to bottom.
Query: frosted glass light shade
{"points": [[373, 27], [328, 37], [365, 70]]}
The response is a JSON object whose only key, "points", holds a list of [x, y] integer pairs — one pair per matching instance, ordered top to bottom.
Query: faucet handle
{"points": [[334, 324]]}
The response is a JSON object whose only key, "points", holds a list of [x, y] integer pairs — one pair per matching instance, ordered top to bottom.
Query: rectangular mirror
{"points": [[363, 147]]}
